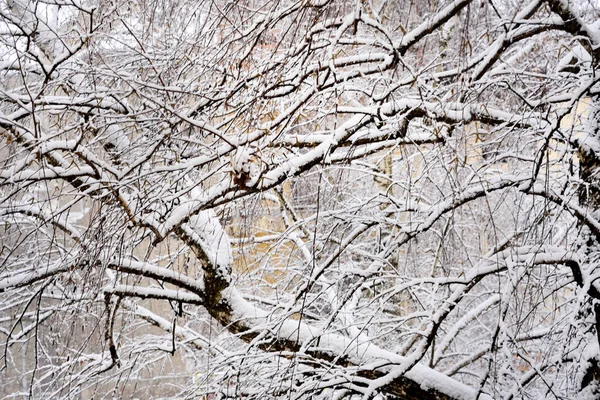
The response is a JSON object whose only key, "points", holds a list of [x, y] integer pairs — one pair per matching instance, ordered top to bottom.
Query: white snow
{"points": [[363, 353]]}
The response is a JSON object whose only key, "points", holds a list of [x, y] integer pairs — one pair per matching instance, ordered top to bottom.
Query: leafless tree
{"points": [[300, 199]]}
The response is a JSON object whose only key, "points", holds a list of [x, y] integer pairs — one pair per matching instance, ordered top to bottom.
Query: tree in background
{"points": [[300, 199]]}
